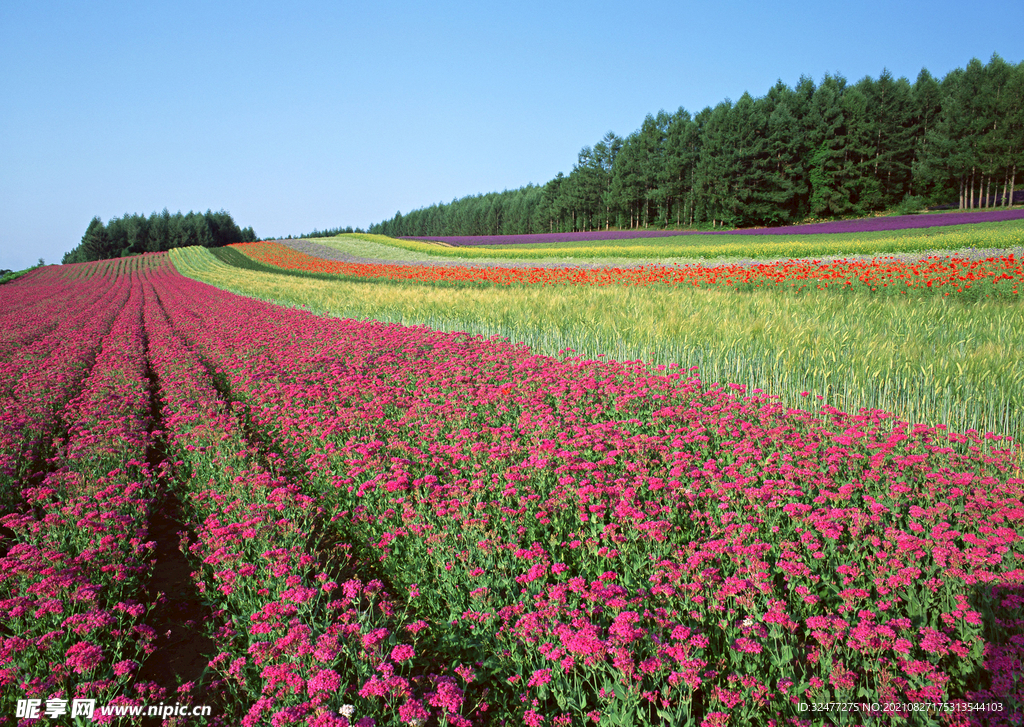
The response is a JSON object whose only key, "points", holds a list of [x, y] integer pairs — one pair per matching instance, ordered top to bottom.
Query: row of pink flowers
{"points": [[52, 333], [77, 562], [293, 642]]}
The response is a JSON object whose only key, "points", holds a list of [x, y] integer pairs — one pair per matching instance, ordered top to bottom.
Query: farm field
{"points": [[864, 226], [995, 230], [376, 249], [932, 340], [393, 525]]}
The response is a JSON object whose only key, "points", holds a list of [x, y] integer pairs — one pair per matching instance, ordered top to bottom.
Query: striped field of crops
{"points": [[865, 228], [591, 248], [927, 357], [348, 486]]}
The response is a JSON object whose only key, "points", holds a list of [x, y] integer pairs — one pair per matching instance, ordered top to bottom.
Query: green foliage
{"points": [[828, 150], [910, 205], [332, 232], [136, 234], [7, 276]]}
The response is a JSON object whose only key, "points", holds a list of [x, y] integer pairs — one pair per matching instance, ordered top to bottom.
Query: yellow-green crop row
{"points": [[1000, 235], [380, 247], [931, 360]]}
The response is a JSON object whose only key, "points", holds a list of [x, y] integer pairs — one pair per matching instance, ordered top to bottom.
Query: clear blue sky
{"points": [[303, 115]]}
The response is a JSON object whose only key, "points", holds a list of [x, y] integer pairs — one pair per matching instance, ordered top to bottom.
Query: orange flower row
{"points": [[940, 274]]}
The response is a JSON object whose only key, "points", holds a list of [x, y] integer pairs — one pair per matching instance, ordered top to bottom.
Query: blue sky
{"points": [[303, 115]]}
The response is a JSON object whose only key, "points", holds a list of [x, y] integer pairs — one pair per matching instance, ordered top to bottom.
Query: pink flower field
{"points": [[395, 526]]}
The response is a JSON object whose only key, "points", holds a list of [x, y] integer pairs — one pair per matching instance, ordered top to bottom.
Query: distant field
{"points": [[861, 225], [994, 235], [15, 274], [964, 277], [839, 347], [929, 359]]}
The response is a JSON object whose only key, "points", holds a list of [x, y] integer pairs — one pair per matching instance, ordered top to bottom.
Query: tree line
{"points": [[816, 151], [332, 232], [134, 234]]}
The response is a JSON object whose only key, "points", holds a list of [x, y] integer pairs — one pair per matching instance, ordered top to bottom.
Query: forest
{"points": [[816, 151], [134, 234]]}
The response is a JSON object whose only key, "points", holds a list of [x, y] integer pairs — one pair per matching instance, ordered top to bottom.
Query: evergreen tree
{"points": [[927, 102], [890, 104], [1011, 113], [651, 148], [827, 150], [681, 152], [787, 154], [828, 172], [627, 185], [133, 234], [96, 244]]}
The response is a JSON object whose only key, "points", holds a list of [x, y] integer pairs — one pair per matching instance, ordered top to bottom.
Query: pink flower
{"points": [[351, 588], [624, 627], [373, 638], [934, 642], [747, 646], [326, 648], [402, 652], [84, 656], [651, 666], [123, 668], [541, 676], [841, 677], [325, 682], [373, 687], [447, 696], [413, 712], [532, 718], [326, 719]]}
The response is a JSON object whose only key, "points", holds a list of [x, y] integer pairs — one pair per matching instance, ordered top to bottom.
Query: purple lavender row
{"points": [[871, 224]]}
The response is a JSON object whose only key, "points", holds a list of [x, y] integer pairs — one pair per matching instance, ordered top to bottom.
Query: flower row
{"points": [[994, 276], [72, 594], [295, 642]]}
